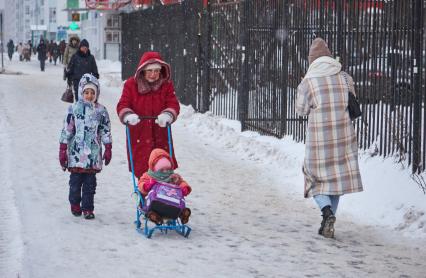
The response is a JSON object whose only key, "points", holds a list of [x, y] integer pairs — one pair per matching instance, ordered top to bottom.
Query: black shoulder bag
{"points": [[353, 104]]}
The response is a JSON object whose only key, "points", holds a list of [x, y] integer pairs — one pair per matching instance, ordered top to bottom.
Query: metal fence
{"points": [[174, 32], [245, 59]]}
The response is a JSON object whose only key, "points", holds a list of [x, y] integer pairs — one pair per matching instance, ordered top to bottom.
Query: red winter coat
{"points": [[145, 99]]}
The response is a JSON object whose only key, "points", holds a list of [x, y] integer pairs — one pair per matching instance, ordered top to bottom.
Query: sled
{"points": [[169, 214]]}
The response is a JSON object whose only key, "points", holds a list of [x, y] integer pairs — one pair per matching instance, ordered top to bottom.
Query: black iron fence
{"points": [[174, 32], [245, 59]]}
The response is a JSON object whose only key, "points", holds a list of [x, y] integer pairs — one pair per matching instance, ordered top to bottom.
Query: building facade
{"points": [[103, 31]]}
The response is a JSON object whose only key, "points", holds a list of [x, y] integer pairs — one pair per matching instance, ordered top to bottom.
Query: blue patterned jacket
{"points": [[86, 126]]}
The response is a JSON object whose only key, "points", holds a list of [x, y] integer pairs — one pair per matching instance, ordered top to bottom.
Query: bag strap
{"points": [[347, 83]]}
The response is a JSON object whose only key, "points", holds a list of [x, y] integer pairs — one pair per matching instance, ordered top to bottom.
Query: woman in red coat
{"points": [[150, 92]]}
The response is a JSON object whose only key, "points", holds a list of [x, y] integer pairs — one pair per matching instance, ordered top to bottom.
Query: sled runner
{"points": [[164, 198]]}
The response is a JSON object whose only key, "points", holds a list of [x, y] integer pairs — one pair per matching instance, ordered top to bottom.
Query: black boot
{"points": [[88, 214], [327, 223]]}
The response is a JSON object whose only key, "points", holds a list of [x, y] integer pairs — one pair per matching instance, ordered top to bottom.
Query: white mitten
{"points": [[132, 119], [163, 119]]}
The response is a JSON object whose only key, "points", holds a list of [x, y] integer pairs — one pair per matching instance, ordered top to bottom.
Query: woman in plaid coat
{"points": [[331, 155]]}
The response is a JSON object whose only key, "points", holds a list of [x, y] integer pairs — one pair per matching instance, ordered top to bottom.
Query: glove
{"points": [[131, 119], [163, 119], [107, 153], [63, 157], [175, 178], [148, 185], [185, 191]]}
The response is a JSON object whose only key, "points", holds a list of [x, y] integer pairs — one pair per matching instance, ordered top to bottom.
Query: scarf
{"points": [[323, 66], [163, 176]]}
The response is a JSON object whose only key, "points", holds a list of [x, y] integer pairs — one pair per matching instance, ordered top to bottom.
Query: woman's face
{"points": [[84, 49], [152, 75]]}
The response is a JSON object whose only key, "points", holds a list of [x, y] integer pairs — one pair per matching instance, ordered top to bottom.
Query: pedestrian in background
{"points": [[62, 46], [10, 49], [70, 50], [55, 52], [42, 54], [81, 62]]}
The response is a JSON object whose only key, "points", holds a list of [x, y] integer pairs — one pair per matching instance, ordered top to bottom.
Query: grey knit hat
{"points": [[318, 49]]}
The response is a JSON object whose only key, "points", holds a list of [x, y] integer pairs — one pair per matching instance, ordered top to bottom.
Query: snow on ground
{"points": [[391, 197], [249, 215]]}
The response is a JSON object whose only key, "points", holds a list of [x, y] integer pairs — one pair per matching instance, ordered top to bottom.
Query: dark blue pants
{"points": [[42, 62], [75, 85], [86, 184]]}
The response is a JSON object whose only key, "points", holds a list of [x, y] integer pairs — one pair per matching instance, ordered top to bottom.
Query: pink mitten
{"points": [[148, 185], [185, 191]]}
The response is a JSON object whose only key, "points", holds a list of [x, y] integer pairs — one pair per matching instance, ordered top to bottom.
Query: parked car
{"points": [[387, 78]]}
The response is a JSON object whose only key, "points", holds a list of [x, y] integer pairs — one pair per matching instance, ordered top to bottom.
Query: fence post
{"points": [[340, 44], [205, 57], [284, 68], [417, 72], [243, 84]]}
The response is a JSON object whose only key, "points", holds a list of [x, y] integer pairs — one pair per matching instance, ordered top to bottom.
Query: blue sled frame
{"points": [[171, 224]]}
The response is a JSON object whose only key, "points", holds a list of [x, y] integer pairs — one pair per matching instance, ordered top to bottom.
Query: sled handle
{"points": [[169, 139], [129, 149]]}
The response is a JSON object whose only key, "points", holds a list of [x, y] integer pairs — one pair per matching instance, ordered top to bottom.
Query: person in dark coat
{"points": [[62, 46], [10, 49], [50, 50], [55, 52], [42, 54], [81, 62], [150, 92]]}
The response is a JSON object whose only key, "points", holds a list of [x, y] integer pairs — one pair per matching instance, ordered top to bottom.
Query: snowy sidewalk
{"points": [[243, 226]]}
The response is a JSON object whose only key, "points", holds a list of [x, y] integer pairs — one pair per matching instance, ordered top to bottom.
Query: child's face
{"points": [[89, 95], [165, 169]]}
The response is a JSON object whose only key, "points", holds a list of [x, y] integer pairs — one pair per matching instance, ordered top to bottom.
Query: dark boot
{"points": [[76, 210], [88, 214], [184, 215], [155, 217], [327, 223]]}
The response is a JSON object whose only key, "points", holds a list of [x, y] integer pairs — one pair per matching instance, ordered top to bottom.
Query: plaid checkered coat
{"points": [[331, 154]]}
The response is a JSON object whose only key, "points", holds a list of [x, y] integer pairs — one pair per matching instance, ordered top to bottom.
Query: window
{"points": [[72, 4], [27, 10], [52, 15], [84, 16], [75, 17], [113, 21], [112, 36]]}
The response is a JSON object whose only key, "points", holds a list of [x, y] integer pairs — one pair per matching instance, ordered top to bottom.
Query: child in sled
{"points": [[86, 127], [161, 170]]}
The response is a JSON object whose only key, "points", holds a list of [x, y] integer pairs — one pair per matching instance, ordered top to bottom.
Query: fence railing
{"points": [[245, 59]]}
